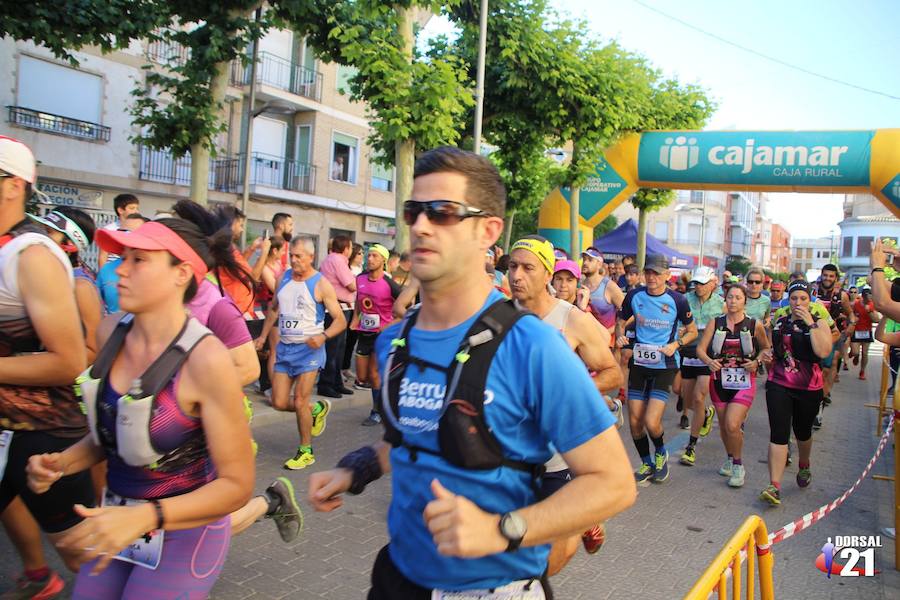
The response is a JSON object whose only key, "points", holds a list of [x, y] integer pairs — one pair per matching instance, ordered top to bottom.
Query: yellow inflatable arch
{"points": [[771, 161]]}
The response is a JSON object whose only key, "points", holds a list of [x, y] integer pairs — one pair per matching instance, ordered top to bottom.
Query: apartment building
{"points": [[308, 156], [742, 210], [780, 255], [809, 255]]}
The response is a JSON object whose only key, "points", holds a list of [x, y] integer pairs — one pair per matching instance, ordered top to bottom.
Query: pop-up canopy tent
{"points": [[622, 241]]}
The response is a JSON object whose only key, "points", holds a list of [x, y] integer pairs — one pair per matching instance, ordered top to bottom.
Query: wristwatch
{"points": [[513, 527]]}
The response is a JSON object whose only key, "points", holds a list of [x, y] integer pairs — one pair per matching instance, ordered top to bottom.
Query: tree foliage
{"points": [[738, 265]]}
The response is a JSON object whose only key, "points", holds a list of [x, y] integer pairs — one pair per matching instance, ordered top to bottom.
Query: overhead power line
{"points": [[765, 56]]}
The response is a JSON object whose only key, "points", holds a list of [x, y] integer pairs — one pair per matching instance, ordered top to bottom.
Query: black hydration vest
{"points": [[746, 333], [801, 345], [464, 436]]}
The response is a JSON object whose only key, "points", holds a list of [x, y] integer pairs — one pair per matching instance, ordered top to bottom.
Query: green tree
{"points": [[415, 100], [648, 200], [605, 226], [738, 265]]}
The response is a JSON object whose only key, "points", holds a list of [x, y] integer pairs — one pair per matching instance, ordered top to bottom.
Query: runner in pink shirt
{"points": [[336, 269]]}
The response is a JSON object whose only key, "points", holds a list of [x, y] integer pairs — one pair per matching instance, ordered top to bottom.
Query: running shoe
{"points": [[856, 360], [846, 368], [347, 374], [862, 375], [361, 385], [826, 400], [618, 413], [373, 419], [318, 420], [707, 421], [684, 423], [817, 423], [688, 457], [301, 460], [727, 468], [661, 470], [644, 475], [737, 476], [804, 477], [771, 495], [287, 516], [593, 538], [49, 587]]}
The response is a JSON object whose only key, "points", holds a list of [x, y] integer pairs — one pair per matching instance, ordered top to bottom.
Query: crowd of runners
{"points": [[499, 381]]}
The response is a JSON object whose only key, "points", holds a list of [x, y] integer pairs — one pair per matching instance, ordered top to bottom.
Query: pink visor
{"points": [[152, 236], [568, 265]]}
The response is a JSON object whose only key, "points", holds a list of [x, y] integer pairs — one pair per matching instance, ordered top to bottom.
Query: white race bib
{"points": [[369, 322], [290, 325], [861, 335], [647, 355], [735, 379], [6, 437], [146, 551], [525, 589]]}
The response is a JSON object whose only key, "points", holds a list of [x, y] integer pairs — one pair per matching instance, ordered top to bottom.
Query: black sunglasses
{"points": [[440, 212], [754, 281]]}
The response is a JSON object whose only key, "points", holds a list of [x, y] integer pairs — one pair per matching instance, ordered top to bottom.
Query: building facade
{"points": [[308, 155], [742, 210], [865, 220], [780, 255], [809, 255]]}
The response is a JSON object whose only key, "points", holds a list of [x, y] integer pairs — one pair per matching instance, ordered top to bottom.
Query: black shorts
{"points": [[865, 337], [365, 343], [690, 372], [646, 384], [791, 408], [552, 482], [52, 509]]}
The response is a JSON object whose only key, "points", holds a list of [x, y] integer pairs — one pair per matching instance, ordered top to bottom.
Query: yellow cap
{"points": [[542, 249], [380, 250]]}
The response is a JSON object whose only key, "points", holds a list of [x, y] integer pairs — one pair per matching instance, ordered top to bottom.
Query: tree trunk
{"points": [[404, 150], [200, 152], [574, 230], [507, 234], [641, 239]]}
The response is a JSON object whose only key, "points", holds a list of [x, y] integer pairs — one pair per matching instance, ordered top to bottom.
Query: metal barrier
{"points": [[750, 539]]}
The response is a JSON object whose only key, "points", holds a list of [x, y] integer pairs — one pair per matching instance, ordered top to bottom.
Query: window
{"points": [[344, 75], [344, 150], [382, 177], [696, 197], [661, 231], [864, 245], [848, 247], [799, 253], [809, 253]]}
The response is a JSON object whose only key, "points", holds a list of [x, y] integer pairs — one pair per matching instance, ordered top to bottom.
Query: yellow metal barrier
{"points": [[753, 538]]}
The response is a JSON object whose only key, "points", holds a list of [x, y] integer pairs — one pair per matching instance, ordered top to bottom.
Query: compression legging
{"points": [[791, 408], [192, 561]]}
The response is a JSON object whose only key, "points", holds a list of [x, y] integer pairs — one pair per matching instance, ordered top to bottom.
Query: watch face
{"points": [[513, 526]]}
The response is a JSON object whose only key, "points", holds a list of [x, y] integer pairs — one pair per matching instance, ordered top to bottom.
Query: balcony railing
{"points": [[167, 52], [282, 74], [41, 121], [226, 174]]}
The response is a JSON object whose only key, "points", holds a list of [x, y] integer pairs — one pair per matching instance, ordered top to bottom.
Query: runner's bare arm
{"points": [[614, 294], [328, 297], [406, 298], [50, 303], [90, 307], [271, 317], [891, 339], [593, 349], [246, 362], [44, 470], [326, 487]]}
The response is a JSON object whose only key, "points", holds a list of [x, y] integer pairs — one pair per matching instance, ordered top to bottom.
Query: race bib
{"points": [[369, 322], [290, 325], [861, 335], [647, 355], [736, 379], [6, 437], [146, 551], [526, 589]]}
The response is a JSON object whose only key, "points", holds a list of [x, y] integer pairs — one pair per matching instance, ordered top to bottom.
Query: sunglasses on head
{"points": [[440, 212]]}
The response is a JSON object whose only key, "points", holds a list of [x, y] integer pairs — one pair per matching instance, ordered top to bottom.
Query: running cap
{"points": [[17, 159], [66, 226], [152, 236], [543, 249], [380, 250], [593, 252], [560, 254], [656, 263], [568, 265], [702, 274], [777, 283], [799, 286]]}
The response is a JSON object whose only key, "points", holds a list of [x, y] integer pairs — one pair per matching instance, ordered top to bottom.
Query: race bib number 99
{"points": [[369, 322], [647, 355], [736, 379]]}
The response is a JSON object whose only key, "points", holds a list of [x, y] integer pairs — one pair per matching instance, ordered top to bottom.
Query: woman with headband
{"points": [[174, 477]]}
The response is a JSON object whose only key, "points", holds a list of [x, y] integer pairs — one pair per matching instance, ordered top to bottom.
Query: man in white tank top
{"points": [[530, 272], [299, 305]]}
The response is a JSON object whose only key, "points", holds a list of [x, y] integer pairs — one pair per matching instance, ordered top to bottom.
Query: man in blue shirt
{"points": [[107, 279], [658, 312], [453, 528]]}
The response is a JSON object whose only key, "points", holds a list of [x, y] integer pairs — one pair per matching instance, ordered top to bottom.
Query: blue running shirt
{"points": [[656, 320], [527, 410]]}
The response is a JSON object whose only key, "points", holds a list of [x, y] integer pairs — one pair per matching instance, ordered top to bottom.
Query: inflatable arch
{"points": [[770, 161]]}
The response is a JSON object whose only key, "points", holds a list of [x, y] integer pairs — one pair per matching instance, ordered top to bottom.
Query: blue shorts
{"points": [[835, 348], [296, 359]]}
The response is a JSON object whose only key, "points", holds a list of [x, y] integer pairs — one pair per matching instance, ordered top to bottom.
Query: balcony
{"points": [[167, 52], [281, 74], [41, 121], [226, 174]]}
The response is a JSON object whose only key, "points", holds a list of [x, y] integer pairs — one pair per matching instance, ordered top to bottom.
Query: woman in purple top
{"points": [[794, 391]]}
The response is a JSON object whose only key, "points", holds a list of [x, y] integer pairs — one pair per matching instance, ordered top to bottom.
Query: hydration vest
{"points": [[748, 341], [801, 345], [465, 439], [131, 440]]}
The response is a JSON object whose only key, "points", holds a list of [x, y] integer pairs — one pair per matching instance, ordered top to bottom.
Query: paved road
{"points": [[656, 550]]}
